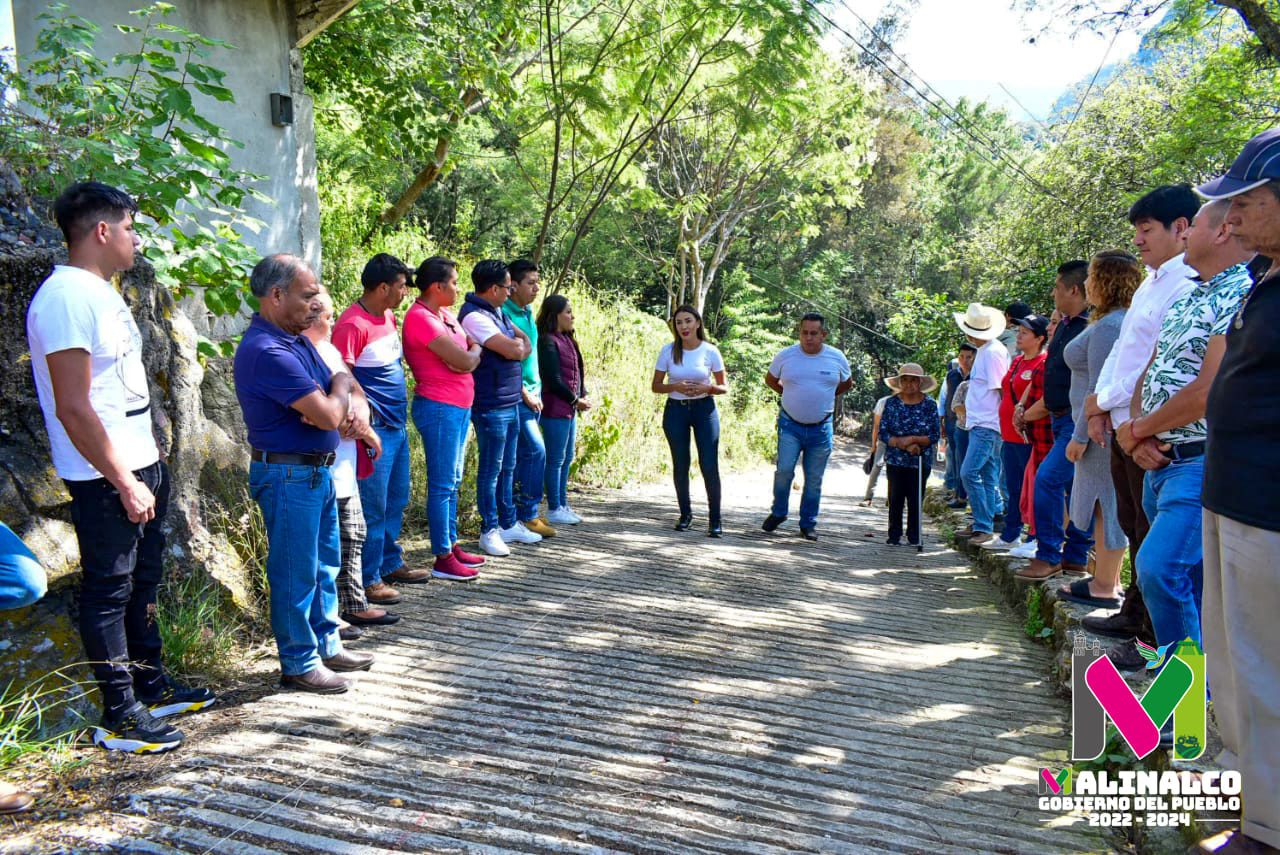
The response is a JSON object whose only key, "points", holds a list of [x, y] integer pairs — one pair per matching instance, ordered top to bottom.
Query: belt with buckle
{"points": [[821, 421], [1185, 451], [290, 458]]}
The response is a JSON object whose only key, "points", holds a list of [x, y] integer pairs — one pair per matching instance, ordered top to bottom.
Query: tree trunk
{"points": [[1257, 18]]}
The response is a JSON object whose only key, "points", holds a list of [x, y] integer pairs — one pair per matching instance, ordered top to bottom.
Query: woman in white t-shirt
{"points": [[689, 372], [354, 608]]}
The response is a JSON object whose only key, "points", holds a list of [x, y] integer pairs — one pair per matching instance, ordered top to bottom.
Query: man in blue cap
{"points": [[1242, 526]]}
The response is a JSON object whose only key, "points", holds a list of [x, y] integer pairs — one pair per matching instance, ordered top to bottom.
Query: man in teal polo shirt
{"points": [[531, 452]]}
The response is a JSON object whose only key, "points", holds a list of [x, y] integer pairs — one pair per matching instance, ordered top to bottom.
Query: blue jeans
{"points": [[703, 419], [443, 429], [497, 432], [559, 435], [814, 442], [961, 446], [1016, 457], [531, 464], [951, 473], [981, 473], [1053, 491], [384, 496], [304, 553], [1171, 560], [22, 579]]}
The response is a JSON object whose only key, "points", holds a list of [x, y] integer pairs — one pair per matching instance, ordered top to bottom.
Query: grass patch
{"points": [[1034, 624], [201, 630], [25, 711]]}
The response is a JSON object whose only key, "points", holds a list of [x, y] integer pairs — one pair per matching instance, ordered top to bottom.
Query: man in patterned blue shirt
{"points": [[1166, 435]]}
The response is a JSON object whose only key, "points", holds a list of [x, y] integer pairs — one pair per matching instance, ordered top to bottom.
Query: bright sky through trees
{"points": [[970, 48]]}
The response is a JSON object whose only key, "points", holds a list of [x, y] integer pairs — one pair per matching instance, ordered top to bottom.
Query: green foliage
{"points": [[133, 121], [1034, 624], [199, 628], [25, 709]]}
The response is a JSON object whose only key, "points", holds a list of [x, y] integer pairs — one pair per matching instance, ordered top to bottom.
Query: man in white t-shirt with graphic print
{"points": [[86, 355], [809, 376]]}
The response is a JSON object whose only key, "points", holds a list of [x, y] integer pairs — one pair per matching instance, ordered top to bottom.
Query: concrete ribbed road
{"points": [[627, 688]]}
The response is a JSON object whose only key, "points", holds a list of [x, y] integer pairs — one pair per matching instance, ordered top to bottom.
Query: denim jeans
{"points": [[702, 418], [443, 429], [497, 433], [559, 435], [794, 440], [961, 445], [1016, 457], [531, 464], [981, 472], [951, 473], [1053, 491], [384, 496], [304, 552], [1171, 560], [121, 564], [22, 579]]}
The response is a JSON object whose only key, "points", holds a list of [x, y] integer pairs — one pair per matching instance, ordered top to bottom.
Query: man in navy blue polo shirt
{"points": [[294, 414]]}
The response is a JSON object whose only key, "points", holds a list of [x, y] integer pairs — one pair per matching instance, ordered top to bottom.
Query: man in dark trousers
{"points": [[86, 355]]}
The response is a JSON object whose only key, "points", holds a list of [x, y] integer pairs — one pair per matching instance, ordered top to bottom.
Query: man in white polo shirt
{"points": [[86, 355], [809, 376], [980, 470]]}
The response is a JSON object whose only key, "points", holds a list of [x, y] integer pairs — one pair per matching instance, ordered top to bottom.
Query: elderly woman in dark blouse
{"points": [[563, 397], [910, 431]]}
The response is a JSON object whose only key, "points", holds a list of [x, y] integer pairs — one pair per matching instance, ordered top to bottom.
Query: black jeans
{"points": [[703, 419], [904, 488], [121, 564]]}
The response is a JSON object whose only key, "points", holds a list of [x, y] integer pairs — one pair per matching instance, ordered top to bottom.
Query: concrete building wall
{"points": [[264, 61]]}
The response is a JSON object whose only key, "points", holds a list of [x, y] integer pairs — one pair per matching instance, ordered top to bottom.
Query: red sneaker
{"points": [[467, 558], [449, 567]]}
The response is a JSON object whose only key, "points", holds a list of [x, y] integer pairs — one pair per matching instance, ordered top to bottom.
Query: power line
{"points": [[987, 147], [844, 318]]}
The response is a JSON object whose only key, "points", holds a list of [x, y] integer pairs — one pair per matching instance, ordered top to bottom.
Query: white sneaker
{"points": [[571, 512], [562, 516], [519, 534], [491, 542], [996, 544], [1026, 550]]}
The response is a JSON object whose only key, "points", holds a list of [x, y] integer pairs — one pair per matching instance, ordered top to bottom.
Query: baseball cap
{"points": [[1256, 165], [1038, 324]]}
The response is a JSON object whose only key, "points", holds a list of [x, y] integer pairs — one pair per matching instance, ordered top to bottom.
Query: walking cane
{"points": [[920, 503]]}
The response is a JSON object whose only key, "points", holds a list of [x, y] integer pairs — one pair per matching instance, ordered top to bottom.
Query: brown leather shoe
{"points": [[967, 531], [1075, 569], [1037, 571], [406, 575], [382, 594], [347, 661], [319, 679], [13, 800]]}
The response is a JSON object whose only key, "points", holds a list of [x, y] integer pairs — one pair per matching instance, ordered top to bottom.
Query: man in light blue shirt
{"points": [[809, 376]]}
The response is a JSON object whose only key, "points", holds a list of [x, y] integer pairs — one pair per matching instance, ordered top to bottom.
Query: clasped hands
{"points": [[911, 444]]}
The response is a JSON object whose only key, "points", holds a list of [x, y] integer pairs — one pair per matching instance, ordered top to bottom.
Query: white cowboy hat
{"points": [[981, 321], [911, 369]]}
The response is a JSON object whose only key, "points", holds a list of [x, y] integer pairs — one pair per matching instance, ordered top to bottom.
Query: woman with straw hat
{"points": [[910, 430]]}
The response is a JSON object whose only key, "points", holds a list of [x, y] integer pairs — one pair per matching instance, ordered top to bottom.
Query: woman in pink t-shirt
{"points": [[441, 358]]}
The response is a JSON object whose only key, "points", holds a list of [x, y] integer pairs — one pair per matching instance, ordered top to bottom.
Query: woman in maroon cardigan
{"points": [[563, 397]]}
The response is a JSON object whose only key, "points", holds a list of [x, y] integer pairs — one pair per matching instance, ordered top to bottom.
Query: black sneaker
{"points": [[771, 522], [808, 534], [1113, 626], [1127, 658], [172, 698], [136, 731]]}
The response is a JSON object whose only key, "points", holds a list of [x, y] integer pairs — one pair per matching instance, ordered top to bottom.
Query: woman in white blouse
{"points": [[689, 372]]}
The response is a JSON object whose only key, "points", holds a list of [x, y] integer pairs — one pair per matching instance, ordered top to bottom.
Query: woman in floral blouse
{"points": [[910, 430]]}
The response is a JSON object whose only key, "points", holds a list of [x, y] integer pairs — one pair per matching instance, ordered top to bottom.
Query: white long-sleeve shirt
{"points": [[1138, 332]]}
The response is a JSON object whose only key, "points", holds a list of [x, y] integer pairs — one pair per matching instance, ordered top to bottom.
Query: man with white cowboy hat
{"points": [[982, 325], [909, 430], [1241, 531]]}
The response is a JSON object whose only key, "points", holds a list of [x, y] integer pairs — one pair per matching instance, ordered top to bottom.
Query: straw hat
{"points": [[981, 321], [911, 369]]}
